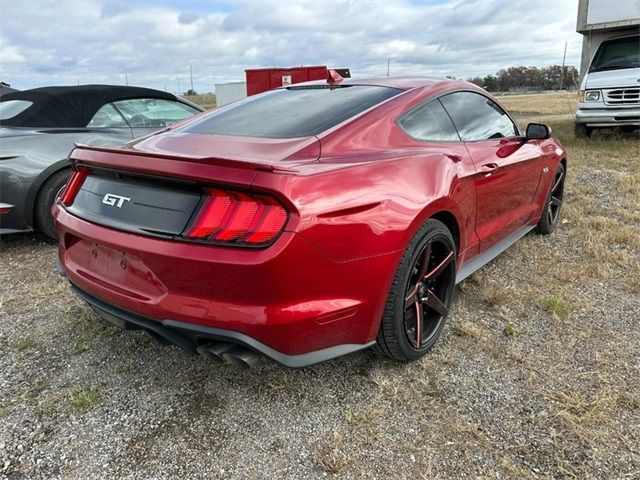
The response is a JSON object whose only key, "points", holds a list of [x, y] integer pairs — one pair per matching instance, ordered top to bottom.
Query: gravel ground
{"points": [[537, 374]]}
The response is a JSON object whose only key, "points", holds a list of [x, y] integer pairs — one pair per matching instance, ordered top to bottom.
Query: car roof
{"points": [[402, 83], [71, 107]]}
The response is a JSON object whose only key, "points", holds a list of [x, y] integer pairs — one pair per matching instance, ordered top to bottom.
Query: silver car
{"points": [[38, 130]]}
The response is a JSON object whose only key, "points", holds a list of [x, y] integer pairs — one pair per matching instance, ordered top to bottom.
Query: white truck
{"points": [[609, 93]]}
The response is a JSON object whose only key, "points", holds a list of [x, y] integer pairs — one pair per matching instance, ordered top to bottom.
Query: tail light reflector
{"points": [[72, 187], [238, 218]]}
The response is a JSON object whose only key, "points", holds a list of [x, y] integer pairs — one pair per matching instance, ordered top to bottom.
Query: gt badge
{"points": [[115, 200]]}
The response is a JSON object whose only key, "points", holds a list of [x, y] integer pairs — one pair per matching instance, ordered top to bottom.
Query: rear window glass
{"points": [[11, 108], [291, 112]]}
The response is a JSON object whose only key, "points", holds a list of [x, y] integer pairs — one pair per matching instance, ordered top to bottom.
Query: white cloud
{"points": [[91, 41]]}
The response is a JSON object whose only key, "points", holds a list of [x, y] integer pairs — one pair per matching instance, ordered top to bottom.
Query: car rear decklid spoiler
{"points": [[178, 154]]}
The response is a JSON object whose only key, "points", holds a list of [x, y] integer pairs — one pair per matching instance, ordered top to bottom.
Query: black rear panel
{"points": [[140, 205]]}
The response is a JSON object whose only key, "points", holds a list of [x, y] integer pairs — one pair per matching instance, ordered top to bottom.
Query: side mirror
{"points": [[537, 131]]}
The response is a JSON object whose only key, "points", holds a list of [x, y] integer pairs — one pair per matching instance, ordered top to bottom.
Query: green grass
{"points": [[556, 305], [510, 329], [25, 344], [83, 398]]}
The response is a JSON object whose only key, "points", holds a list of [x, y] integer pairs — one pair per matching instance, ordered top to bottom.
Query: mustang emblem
{"points": [[115, 200]]}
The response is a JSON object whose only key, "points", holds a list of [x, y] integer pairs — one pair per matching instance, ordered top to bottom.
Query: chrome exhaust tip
{"points": [[214, 351], [241, 357]]}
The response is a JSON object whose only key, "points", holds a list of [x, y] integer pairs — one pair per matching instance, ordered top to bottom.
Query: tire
{"points": [[581, 130], [44, 201], [553, 205], [395, 338]]}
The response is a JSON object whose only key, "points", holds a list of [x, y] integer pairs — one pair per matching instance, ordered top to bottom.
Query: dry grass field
{"points": [[205, 100], [561, 103], [537, 374]]}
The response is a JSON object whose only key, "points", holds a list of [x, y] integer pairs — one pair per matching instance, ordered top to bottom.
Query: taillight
{"points": [[72, 187], [238, 218]]}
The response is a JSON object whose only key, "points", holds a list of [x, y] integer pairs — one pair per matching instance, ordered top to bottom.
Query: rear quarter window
{"points": [[11, 108], [291, 112], [429, 122]]}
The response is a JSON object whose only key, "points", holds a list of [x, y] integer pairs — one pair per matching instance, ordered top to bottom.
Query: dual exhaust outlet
{"points": [[229, 353]]}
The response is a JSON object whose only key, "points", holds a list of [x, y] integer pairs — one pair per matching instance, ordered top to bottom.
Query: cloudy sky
{"points": [[154, 42]]}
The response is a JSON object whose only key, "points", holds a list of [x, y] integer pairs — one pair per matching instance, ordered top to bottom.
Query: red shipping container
{"points": [[262, 79]]}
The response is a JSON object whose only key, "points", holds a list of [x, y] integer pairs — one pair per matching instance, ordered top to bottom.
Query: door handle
{"points": [[488, 168]]}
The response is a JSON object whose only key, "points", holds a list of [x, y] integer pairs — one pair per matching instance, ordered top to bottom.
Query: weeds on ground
{"points": [[557, 305], [510, 329], [25, 344], [79, 346], [83, 398], [330, 455]]}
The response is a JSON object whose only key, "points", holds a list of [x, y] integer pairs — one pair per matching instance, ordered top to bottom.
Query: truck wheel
{"points": [[582, 131], [44, 202]]}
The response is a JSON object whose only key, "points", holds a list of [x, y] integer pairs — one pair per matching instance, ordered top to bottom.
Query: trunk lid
{"points": [[154, 186], [145, 206]]}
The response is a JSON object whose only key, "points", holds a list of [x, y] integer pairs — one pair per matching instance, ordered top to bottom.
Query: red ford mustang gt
{"points": [[309, 221]]}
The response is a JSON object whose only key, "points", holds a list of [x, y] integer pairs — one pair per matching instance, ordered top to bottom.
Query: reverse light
{"points": [[71, 189], [238, 218]]}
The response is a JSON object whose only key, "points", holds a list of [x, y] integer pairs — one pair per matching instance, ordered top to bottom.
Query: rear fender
{"points": [[32, 193]]}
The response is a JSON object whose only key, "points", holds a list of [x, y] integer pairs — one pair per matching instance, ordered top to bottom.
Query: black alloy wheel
{"points": [[553, 206], [421, 294], [427, 294]]}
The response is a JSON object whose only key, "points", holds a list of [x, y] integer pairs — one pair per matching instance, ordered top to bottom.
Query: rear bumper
{"points": [[609, 117], [13, 220], [284, 301], [188, 336]]}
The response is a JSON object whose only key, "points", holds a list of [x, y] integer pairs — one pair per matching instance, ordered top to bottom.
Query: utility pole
{"points": [[564, 57], [388, 65], [191, 74], [126, 80], [179, 90]]}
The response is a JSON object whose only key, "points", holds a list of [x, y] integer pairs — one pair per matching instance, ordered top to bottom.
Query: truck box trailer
{"points": [[610, 65], [262, 79], [230, 92]]}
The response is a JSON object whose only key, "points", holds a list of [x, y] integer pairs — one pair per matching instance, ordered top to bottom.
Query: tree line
{"points": [[529, 78]]}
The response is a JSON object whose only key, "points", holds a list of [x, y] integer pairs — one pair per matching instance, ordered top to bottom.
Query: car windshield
{"points": [[617, 54], [11, 108], [298, 111]]}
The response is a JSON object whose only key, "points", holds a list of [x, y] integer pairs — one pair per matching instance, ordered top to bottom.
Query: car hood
{"points": [[629, 77]]}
